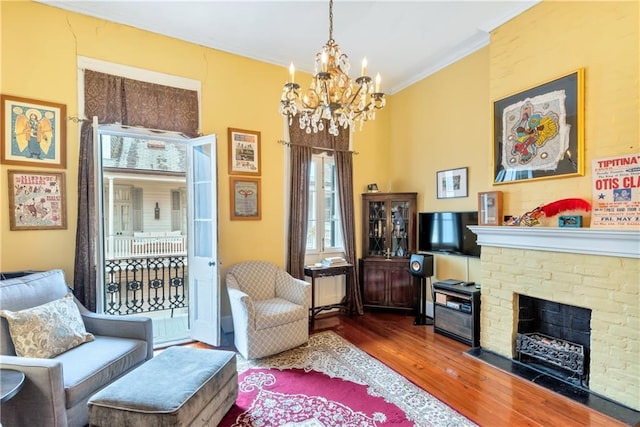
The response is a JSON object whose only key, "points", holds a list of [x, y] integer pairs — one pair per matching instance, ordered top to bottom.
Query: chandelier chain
{"points": [[330, 19]]}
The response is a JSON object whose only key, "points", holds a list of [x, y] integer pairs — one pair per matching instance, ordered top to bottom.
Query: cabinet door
{"points": [[375, 227], [374, 284], [402, 287]]}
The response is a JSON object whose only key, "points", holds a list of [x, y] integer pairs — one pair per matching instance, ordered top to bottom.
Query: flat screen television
{"points": [[447, 232]]}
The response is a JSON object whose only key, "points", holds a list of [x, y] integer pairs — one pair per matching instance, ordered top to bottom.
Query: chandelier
{"points": [[332, 95]]}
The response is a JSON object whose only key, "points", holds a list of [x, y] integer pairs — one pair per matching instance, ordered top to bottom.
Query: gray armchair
{"points": [[269, 307], [56, 390]]}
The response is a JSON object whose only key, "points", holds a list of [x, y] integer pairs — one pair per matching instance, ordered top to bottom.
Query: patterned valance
{"points": [[115, 99]]}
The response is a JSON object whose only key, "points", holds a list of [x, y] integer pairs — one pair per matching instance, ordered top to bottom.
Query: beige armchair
{"points": [[270, 308]]}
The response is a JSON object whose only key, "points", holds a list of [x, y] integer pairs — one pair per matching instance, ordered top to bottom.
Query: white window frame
{"points": [[317, 195]]}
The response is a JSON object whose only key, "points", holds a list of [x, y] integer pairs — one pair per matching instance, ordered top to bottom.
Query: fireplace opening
{"points": [[555, 339]]}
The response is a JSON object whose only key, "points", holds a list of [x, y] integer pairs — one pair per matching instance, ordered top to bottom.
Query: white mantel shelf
{"points": [[591, 241]]}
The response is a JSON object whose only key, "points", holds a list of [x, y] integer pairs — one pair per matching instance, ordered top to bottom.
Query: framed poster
{"points": [[33, 132], [539, 133], [244, 152], [452, 183], [616, 192], [245, 198], [37, 201], [490, 208]]}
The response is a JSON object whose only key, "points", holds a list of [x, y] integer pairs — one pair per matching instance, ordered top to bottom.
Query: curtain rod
{"points": [[76, 119], [283, 142]]}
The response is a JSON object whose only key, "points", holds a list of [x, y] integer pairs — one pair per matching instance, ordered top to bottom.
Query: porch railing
{"points": [[150, 246], [145, 284]]}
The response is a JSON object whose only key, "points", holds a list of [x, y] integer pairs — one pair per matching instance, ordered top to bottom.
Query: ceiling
{"points": [[404, 41]]}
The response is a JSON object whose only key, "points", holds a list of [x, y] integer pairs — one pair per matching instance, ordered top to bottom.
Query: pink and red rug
{"points": [[330, 382]]}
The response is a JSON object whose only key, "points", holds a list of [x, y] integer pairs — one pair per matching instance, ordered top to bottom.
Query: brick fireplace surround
{"points": [[598, 269]]}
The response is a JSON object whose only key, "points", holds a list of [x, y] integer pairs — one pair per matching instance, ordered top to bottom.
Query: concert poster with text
{"points": [[616, 192]]}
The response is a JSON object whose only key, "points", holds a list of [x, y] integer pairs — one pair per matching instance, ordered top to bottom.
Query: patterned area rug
{"points": [[330, 382]]}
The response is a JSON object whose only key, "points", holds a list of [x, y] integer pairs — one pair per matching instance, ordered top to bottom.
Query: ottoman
{"points": [[182, 386]]}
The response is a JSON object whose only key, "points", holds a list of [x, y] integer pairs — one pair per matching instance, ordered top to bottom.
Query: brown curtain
{"points": [[115, 99], [302, 146], [344, 169], [298, 209]]}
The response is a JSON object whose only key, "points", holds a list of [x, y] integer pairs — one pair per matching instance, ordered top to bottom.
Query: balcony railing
{"points": [[145, 244], [145, 284]]}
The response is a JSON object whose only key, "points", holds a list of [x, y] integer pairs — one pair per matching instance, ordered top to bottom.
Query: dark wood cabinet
{"points": [[389, 239]]}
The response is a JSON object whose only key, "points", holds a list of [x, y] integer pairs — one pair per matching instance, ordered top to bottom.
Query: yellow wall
{"points": [[553, 39], [39, 49], [444, 121], [441, 122]]}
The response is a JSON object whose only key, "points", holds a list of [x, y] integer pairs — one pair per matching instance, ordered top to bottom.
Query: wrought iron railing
{"points": [[145, 284]]}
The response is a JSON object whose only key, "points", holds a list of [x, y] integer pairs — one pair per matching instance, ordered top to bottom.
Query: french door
{"points": [[196, 174], [204, 286]]}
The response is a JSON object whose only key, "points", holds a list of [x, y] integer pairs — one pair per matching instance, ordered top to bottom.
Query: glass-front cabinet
{"points": [[389, 226], [389, 239]]}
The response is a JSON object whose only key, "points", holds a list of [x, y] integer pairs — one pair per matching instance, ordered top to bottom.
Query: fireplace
{"points": [[595, 270], [554, 338]]}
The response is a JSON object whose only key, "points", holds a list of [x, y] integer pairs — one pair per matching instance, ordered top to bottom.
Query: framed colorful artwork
{"points": [[33, 132], [539, 133], [244, 152], [452, 183], [245, 198], [37, 200], [490, 208]]}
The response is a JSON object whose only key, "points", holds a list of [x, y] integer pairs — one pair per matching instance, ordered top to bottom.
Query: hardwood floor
{"points": [[483, 393]]}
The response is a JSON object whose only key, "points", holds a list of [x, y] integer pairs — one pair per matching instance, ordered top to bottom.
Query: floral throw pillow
{"points": [[47, 330]]}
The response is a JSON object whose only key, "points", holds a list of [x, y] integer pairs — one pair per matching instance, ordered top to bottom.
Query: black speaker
{"points": [[421, 265]]}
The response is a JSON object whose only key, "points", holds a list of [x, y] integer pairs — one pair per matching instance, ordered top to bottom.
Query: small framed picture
{"points": [[33, 132], [244, 152], [452, 183], [245, 198], [37, 201], [490, 208]]}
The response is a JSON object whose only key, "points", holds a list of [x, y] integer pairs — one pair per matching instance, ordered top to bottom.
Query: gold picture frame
{"points": [[33, 132], [538, 133], [244, 152], [246, 197], [37, 201], [490, 208]]}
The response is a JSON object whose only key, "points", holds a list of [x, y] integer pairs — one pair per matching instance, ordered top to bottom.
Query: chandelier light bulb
{"points": [[364, 67], [292, 73], [378, 79]]}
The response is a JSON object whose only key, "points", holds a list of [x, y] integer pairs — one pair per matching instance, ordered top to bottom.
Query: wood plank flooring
{"points": [[483, 393]]}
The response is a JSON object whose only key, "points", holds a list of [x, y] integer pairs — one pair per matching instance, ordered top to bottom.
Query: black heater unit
{"points": [[421, 266]]}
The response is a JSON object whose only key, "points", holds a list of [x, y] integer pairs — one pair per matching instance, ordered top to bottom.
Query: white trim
{"points": [[590, 241]]}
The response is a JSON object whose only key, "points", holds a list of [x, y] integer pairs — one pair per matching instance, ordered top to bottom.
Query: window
{"points": [[324, 232]]}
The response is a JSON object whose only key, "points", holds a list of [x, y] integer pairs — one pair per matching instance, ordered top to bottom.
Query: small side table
{"points": [[314, 273], [11, 381]]}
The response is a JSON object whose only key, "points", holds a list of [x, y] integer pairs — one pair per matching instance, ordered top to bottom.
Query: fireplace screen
{"points": [[555, 337]]}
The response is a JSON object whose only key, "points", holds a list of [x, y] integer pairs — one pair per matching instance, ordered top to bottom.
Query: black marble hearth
{"points": [[572, 391]]}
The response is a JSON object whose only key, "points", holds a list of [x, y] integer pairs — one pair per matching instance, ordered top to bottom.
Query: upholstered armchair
{"points": [[270, 308]]}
